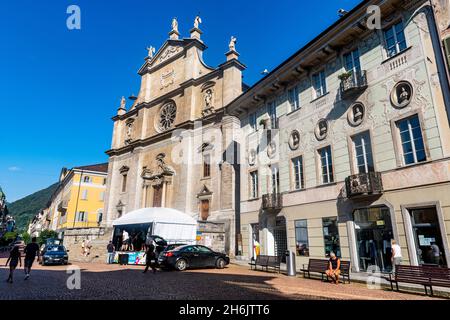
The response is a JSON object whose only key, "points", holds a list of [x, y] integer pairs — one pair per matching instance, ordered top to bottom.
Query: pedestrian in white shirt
{"points": [[396, 254]]}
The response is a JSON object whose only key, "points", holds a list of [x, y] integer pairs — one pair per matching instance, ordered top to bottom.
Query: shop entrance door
{"points": [[373, 228], [279, 235], [428, 237], [256, 246]]}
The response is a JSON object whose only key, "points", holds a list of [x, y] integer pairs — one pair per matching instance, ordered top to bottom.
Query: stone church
{"points": [[167, 147]]}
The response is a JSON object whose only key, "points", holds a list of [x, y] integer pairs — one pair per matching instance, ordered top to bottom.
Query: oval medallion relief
{"points": [[402, 94]]}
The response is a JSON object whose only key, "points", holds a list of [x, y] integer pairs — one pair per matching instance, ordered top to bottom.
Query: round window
{"points": [[167, 116]]}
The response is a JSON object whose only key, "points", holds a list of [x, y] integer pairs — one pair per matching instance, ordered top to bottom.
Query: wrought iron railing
{"points": [[356, 82], [364, 184], [272, 201]]}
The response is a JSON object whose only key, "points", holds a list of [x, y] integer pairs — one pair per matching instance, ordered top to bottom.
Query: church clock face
{"points": [[167, 116]]}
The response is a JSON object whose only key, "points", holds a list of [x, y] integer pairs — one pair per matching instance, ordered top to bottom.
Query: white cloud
{"points": [[14, 169]]}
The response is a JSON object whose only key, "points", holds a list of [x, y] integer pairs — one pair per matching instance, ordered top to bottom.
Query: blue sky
{"points": [[59, 88]]}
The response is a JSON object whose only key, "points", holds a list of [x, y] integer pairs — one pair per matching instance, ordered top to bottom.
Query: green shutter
{"points": [[447, 50]]}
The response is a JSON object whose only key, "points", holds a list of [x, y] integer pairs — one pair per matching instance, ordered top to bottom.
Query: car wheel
{"points": [[220, 263], [181, 265]]}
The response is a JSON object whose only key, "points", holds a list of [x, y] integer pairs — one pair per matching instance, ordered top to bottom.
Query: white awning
{"points": [[158, 215]]}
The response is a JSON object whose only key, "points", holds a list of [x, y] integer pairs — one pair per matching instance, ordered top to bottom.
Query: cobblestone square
{"points": [[101, 281]]}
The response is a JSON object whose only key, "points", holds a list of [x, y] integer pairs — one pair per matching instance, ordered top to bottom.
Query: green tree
{"points": [[47, 234], [26, 237]]}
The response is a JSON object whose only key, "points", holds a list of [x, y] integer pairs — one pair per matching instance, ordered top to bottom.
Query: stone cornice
{"points": [[187, 125]]}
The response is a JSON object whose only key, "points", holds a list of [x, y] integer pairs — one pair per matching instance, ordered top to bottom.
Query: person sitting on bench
{"points": [[334, 268]]}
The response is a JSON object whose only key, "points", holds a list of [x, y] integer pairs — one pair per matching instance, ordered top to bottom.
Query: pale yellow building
{"points": [[78, 202]]}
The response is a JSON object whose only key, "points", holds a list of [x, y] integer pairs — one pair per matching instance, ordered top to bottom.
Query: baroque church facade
{"points": [[168, 148]]}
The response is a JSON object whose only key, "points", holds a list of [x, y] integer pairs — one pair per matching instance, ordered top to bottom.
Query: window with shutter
{"points": [[447, 51]]}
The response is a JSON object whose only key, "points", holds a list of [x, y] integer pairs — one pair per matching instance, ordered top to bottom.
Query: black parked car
{"points": [[54, 254], [193, 256]]}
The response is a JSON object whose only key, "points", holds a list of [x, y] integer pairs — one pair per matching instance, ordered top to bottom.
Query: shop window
{"points": [[395, 40], [413, 147], [373, 228], [427, 233], [331, 236], [301, 238]]}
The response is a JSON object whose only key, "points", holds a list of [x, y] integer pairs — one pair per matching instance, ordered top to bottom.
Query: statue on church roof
{"points": [[197, 22], [174, 25], [232, 44], [151, 52], [123, 102]]}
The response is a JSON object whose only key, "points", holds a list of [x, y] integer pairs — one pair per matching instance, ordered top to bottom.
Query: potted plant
{"points": [[346, 75]]}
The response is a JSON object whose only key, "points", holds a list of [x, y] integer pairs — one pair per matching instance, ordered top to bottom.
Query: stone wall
{"points": [[99, 239]]}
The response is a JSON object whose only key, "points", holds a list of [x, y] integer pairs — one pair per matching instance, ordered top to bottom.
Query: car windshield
{"points": [[55, 248]]}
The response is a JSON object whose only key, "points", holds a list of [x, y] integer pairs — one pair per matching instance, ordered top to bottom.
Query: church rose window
{"points": [[167, 116]]}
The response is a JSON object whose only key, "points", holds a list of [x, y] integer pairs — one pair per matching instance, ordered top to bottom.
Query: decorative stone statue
{"points": [[197, 22], [174, 25], [232, 44], [151, 52], [404, 95], [208, 98], [123, 103], [358, 113], [129, 131]]}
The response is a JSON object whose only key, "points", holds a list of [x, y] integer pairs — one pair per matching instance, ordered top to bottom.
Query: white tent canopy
{"points": [[150, 215], [173, 225]]}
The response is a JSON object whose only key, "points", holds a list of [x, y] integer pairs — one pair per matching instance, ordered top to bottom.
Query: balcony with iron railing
{"points": [[353, 82], [364, 184], [272, 202]]}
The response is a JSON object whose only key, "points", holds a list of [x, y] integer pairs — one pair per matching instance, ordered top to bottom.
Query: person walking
{"points": [[110, 248], [31, 251], [396, 255], [150, 258], [13, 260]]}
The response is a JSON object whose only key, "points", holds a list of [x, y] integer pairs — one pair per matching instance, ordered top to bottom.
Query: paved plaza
{"points": [[101, 281]]}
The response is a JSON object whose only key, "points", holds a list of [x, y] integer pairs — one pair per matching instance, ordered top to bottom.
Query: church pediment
{"points": [[170, 49], [204, 192]]}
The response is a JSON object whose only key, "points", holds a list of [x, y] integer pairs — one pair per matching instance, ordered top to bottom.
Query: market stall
{"points": [[134, 229]]}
